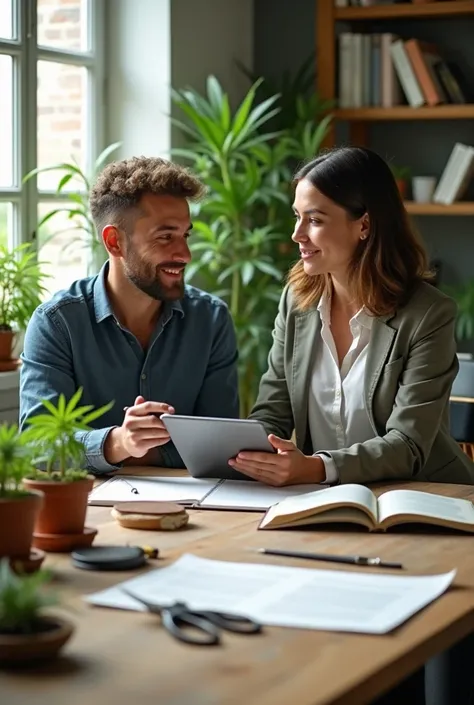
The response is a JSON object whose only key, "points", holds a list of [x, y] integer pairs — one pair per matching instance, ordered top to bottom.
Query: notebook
{"points": [[191, 492], [357, 504]]}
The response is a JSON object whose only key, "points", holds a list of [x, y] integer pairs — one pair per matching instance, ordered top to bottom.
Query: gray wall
{"points": [[285, 36]]}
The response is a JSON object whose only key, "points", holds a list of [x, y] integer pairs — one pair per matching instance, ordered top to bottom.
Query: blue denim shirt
{"points": [[74, 340]]}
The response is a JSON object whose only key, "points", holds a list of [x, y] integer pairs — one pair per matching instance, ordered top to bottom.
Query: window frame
{"points": [[26, 53]]}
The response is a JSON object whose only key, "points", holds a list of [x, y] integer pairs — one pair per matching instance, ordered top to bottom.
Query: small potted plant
{"points": [[401, 175], [21, 287], [463, 294], [64, 482], [18, 507], [27, 633]]}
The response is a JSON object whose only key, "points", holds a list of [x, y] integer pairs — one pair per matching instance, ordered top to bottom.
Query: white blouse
{"points": [[337, 415]]}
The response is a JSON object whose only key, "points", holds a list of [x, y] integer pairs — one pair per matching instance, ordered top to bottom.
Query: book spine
{"points": [[422, 73], [406, 74], [443, 187]]}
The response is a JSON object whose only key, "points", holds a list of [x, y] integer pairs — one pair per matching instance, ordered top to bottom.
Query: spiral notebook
{"points": [[191, 492]]}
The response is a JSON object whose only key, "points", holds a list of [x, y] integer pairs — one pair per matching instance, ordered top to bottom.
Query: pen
{"points": [[354, 560]]}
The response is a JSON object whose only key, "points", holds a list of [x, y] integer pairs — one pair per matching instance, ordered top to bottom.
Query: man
{"points": [[135, 333]]}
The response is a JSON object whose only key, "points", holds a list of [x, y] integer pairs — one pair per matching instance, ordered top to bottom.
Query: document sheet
{"points": [[222, 494], [283, 596]]}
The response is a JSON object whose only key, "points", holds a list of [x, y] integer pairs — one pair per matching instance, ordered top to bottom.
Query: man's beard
{"points": [[151, 280]]}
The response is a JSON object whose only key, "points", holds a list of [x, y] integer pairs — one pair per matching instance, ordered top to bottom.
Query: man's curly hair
{"points": [[119, 187]]}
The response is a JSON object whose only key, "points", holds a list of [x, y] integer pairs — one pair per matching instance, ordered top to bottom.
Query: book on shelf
{"points": [[384, 70], [456, 175], [357, 504]]}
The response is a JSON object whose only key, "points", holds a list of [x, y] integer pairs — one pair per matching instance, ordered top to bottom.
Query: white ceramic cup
{"points": [[423, 188]]}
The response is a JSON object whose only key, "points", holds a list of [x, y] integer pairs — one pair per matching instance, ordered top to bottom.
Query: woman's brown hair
{"points": [[391, 261]]}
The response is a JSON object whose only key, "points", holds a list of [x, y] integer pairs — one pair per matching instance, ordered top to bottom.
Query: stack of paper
{"points": [[283, 596]]}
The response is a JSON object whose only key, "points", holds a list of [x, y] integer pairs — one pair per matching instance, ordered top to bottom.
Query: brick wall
{"points": [[62, 125]]}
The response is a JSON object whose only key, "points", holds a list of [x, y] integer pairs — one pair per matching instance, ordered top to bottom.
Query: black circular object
{"points": [[109, 558]]}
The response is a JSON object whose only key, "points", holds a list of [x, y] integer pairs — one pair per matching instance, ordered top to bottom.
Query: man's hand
{"points": [[140, 431], [289, 466]]}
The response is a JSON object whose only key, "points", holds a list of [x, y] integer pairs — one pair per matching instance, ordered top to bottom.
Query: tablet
{"points": [[206, 444]]}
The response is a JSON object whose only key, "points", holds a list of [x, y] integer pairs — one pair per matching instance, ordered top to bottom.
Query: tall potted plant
{"points": [[76, 202], [242, 250], [21, 288], [64, 482], [18, 507], [27, 632]]}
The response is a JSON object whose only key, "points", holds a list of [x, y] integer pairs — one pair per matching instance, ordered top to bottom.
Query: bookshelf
{"points": [[359, 119]]}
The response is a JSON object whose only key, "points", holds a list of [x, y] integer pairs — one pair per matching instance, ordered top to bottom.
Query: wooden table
{"points": [[126, 658]]}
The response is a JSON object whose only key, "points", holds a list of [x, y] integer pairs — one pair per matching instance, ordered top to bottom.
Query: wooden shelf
{"points": [[454, 8], [405, 112], [459, 208]]}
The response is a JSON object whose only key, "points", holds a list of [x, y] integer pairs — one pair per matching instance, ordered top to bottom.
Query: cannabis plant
{"points": [[55, 436], [15, 461], [22, 600]]}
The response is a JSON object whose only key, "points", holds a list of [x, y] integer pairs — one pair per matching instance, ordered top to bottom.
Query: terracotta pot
{"points": [[402, 187], [6, 344], [65, 505], [17, 520], [16, 649]]}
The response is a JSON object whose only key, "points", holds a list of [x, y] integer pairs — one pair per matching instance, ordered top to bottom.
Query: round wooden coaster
{"points": [[153, 508], [151, 516]]}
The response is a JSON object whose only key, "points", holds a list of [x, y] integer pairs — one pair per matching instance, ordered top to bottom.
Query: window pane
{"points": [[6, 19], [63, 25], [62, 118], [6, 120], [6, 224], [61, 247]]}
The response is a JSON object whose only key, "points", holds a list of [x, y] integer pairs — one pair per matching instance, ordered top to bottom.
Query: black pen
{"points": [[354, 560]]}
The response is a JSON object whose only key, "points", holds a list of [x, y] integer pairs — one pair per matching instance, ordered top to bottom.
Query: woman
{"points": [[364, 353]]}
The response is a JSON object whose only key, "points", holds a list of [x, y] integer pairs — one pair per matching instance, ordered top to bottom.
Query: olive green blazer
{"points": [[411, 365]]}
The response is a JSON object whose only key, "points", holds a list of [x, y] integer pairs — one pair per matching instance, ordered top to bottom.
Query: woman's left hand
{"points": [[289, 466]]}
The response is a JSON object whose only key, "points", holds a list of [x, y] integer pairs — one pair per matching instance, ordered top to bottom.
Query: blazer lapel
{"points": [[307, 326], [381, 339]]}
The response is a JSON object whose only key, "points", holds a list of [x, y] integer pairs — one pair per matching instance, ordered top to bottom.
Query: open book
{"points": [[191, 492], [357, 504]]}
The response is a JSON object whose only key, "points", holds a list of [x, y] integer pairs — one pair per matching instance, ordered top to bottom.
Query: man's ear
{"points": [[111, 237]]}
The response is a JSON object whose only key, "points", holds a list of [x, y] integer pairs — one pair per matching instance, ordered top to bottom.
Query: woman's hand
{"points": [[289, 466]]}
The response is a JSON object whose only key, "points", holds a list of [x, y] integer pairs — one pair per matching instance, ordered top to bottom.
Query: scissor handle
{"points": [[232, 622], [189, 627]]}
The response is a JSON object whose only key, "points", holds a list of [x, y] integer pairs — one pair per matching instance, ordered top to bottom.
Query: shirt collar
{"points": [[324, 307], [103, 308]]}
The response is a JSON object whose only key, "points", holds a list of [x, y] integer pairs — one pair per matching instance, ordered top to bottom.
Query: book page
{"points": [[128, 488], [241, 494], [315, 502], [415, 503], [281, 595]]}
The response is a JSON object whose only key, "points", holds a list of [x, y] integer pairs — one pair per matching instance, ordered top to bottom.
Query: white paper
{"points": [[150, 489], [340, 494], [253, 495], [425, 504], [283, 596]]}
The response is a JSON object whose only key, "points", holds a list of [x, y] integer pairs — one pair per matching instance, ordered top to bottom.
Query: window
{"points": [[50, 83]]}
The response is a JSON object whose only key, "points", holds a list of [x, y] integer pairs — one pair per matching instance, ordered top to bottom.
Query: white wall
{"points": [[207, 37], [155, 44], [138, 70]]}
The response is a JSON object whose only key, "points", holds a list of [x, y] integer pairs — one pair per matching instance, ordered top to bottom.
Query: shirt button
{"points": [[143, 376]]}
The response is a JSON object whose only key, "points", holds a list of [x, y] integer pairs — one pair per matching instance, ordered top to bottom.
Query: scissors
{"points": [[199, 627]]}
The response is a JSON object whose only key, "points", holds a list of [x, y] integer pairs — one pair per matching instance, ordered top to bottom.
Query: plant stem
{"points": [[237, 236]]}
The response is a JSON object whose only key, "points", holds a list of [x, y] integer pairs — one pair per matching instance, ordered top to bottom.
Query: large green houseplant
{"points": [[76, 202], [242, 249], [21, 288], [463, 294], [54, 435], [18, 507], [28, 633]]}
